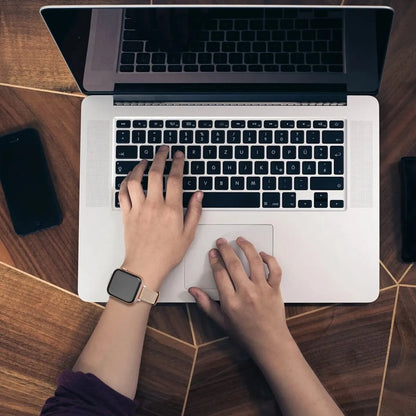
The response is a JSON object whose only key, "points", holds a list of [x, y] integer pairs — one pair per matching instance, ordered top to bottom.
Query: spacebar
{"points": [[226, 199]]}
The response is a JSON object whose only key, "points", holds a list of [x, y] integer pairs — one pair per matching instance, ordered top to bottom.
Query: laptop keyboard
{"points": [[290, 40], [239, 163]]}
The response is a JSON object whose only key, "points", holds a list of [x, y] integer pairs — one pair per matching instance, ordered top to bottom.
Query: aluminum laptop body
{"points": [[329, 250]]}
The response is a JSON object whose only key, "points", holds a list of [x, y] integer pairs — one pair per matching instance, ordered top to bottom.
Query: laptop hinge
{"points": [[274, 94]]}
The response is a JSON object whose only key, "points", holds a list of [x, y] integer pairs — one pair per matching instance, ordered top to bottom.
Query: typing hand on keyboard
{"points": [[156, 234]]}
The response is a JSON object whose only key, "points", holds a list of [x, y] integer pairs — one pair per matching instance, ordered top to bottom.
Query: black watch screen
{"points": [[124, 286]]}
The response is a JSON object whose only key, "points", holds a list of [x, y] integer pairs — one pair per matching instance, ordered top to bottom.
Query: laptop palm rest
{"points": [[197, 269]]}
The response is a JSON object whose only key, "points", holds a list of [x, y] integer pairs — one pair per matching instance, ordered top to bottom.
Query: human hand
{"points": [[156, 235], [251, 308]]}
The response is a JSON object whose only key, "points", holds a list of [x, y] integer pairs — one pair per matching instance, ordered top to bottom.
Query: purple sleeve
{"points": [[86, 395]]}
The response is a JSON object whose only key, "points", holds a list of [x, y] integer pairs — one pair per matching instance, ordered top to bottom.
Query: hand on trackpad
{"points": [[197, 269]]}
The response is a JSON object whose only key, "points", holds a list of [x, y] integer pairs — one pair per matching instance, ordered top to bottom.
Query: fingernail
{"points": [[163, 148], [179, 154], [199, 196], [241, 238], [221, 241], [213, 253], [193, 293]]}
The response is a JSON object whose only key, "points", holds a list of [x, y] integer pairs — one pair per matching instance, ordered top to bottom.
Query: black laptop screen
{"points": [[135, 49]]}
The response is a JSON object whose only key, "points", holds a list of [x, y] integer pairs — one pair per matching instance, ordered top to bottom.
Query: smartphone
{"points": [[408, 179], [27, 184]]}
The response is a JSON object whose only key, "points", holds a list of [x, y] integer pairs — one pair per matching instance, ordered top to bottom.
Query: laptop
{"points": [[275, 110]]}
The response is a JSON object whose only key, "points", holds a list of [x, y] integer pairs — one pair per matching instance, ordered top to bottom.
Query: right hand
{"points": [[251, 307]]}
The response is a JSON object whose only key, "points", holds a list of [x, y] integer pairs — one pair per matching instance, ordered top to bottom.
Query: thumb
{"points": [[193, 214], [211, 308]]}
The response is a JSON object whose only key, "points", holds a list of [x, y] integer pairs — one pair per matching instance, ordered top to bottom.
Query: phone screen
{"points": [[26, 183]]}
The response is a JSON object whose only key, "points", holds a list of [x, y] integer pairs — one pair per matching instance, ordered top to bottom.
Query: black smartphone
{"points": [[408, 178], [27, 184]]}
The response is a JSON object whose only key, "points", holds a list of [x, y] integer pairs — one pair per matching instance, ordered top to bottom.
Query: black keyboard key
{"points": [[132, 46], [127, 58], [190, 68], [123, 124], [139, 124], [156, 124], [172, 124], [205, 124], [222, 124], [238, 124], [254, 124], [271, 124], [287, 124], [303, 124], [320, 124], [335, 124], [123, 136], [154, 136], [170, 136], [186, 136], [201, 136], [217, 136], [233, 136], [249, 136], [265, 136], [281, 136], [297, 136], [313, 136], [333, 136], [126, 152], [146, 152], [194, 152], [209, 152], [225, 152], [257, 152], [273, 152], [289, 152], [305, 152], [321, 152], [337, 154], [124, 167], [198, 168], [213, 168], [229, 168], [245, 168], [261, 168], [277, 168], [292, 168], [308, 168], [324, 168], [166, 169], [119, 179], [189, 183], [205, 183], [221, 183], [237, 183], [253, 183], [269, 183], [285, 183], [301, 183], [322, 183], [227, 199], [271, 200], [288, 200], [320, 200], [117, 202], [304, 203], [337, 203]]}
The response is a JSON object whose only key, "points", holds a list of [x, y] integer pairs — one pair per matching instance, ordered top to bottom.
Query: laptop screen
{"points": [[146, 48]]}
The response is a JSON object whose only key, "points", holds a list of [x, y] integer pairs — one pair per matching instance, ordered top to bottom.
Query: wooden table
{"points": [[364, 354]]}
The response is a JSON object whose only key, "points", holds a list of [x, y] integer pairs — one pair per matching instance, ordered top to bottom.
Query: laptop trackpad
{"points": [[197, 269]]}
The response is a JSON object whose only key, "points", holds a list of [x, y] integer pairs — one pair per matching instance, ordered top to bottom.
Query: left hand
{"points": [[156, 234]]}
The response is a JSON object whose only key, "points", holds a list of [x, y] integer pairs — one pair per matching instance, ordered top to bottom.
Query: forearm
{"points": [[114, 350], [295, 386]]}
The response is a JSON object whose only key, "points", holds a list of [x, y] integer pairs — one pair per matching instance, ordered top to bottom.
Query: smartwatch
{"points": [[130, 288]]}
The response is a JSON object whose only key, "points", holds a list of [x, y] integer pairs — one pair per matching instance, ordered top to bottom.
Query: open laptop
{"points": [[274, 108]]}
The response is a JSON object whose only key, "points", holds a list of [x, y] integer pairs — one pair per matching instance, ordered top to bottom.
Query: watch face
{"points": [[124, 286]]}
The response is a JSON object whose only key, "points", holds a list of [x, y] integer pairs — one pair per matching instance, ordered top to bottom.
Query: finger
{"points": [[155, 177], [174, 183], [134, 184], [124, 197], [193, 214], [255, 262], [232, 263], [275, 271], [222, 278], [211, 308]]}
